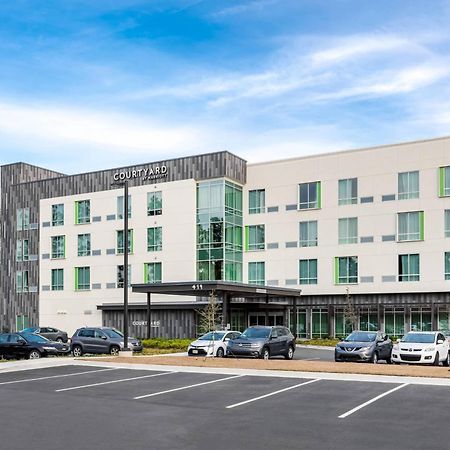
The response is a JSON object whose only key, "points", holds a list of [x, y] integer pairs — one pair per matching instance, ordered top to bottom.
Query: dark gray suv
{"points": [[101, 340], [263, 342]]}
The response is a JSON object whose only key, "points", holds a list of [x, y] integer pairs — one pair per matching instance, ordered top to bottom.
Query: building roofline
{"points": [[354, 150], [58, 174]]}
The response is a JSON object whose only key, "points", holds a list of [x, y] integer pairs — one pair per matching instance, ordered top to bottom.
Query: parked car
{"points": [[53, 334], [101, 340], [263, 342], [213, 343], [29, 345], [368, 346], [422, 347]]}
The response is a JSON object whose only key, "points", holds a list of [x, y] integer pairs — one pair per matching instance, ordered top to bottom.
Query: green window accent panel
{"points": [[444, 181], [408, 185], [348, 191], [309, 195], [257, 201], [154, 203], [121, 206], [82, 212], [57, 215], [410, 226], [348, 230], [308, 236], [256, 237], [154, 239], [120, 242], [84, 244], [58, 247], [447, 265], [409, 267], [346, 270], [308, 271], [153, 272], [257, 273], [121, 276], [82, 278], [57, 279], [319, 323]]}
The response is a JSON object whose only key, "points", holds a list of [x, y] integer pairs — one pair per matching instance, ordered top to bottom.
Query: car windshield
{"points": [[29, 330], [112, 333], [256, 333], [212, 336], [30, 337], [361, 337], [419, 338]]}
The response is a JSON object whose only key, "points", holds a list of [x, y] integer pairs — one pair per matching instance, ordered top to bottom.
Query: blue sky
{"points": [[86, 85]]}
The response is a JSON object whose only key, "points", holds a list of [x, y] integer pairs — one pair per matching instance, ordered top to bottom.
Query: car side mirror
{"points": [[272, 337], [104, 338], [227, 339], [440, 341], [21, 342]]}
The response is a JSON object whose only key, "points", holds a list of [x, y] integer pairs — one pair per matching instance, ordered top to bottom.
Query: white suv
{"points": [[422, 347]]}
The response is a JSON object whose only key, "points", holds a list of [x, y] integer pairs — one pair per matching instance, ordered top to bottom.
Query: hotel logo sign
{"points": [[150, 173]]}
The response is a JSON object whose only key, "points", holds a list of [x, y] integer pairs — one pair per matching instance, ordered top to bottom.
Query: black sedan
{"points": [[53, 334], [29, 345]]}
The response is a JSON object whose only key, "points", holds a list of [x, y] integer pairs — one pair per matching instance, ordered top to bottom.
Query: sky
{"points": [[87, 85]]}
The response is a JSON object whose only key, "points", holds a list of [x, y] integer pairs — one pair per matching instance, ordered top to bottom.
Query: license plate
{"points": [[194, 351]]}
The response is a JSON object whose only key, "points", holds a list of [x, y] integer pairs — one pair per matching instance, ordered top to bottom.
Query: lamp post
{"points": [[125, 261]]}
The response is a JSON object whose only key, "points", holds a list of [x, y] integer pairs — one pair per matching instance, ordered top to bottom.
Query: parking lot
{"points": [[78, 406]]}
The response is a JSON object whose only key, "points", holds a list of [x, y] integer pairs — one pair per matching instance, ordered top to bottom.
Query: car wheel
{"points": [[59, 340], [77, 350], [114, 350], [220, 353], [290, 353], [34, 354], [265, 354], [375, 358], [436, 359], [389, 360], [447, 360]]}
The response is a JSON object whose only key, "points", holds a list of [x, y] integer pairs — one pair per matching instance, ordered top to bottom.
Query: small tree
{"points": [[350, 314], [210, 317]]}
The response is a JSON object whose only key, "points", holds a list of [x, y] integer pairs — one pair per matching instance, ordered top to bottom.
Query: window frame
{"points": [[408, 193], [259, 199], [345, 199], [317, 203], [151, 209], [85, 219], [55, 221], [344, 224], [251, 231], [152, 234], [411, 236], [130, 242], [308, 242], [87, 251], [59, 254], [260, 269], [146, 272], [408, 276], [347, 278], [308, 279], [59, 284], [85, 286]]}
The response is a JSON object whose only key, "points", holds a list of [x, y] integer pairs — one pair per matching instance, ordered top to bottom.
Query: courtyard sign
{"points": [[150, 173]]}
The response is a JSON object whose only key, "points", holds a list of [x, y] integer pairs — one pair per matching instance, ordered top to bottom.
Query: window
{"points": [[444, 181], [408, 185], [348, 191], [309, 195], [256, 201], [154, 203], [120, 206], [83, 211], [57, 215], [23, 219], [447, 222], [411, 226], [348, 230], [308, 234], [254, 237], [154, 239], [120, 243], [84, 244], [58, 247], [22, 250], [447, 265], [408, 267], [346, 269], [308, 271], [153, 272], [256, 273], [121, 276], [82, 278], [57, 279], [22, 281], [421, 319], [394, 321], [22, 322], [319, 323]]}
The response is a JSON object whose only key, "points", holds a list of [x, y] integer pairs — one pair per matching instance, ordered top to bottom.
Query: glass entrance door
{"points": [[259, 318]]}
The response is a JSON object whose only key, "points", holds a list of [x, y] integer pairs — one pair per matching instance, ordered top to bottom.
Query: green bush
{"points": [[325, 342], [167, 344]]}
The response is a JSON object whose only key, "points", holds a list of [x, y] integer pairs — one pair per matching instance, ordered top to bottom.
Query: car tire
{"points": [[59, 340], [77, 350], [114, 350], [220, 353], [290, 353], [34, 354], [265, 354], [374, 359], [436, 359], [389, 360], [447, 361]]}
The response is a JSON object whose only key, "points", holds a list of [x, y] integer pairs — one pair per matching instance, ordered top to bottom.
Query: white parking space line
{"points": [[57, 376], [113, 381], [187, 387], [272, 393], [348, 413]]}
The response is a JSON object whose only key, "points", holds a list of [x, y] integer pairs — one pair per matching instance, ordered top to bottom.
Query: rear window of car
{"points": [[86, 333], [112, 333], [3, 338]]}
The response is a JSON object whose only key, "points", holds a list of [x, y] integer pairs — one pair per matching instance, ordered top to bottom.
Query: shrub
{"points": [[167, 344]]}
